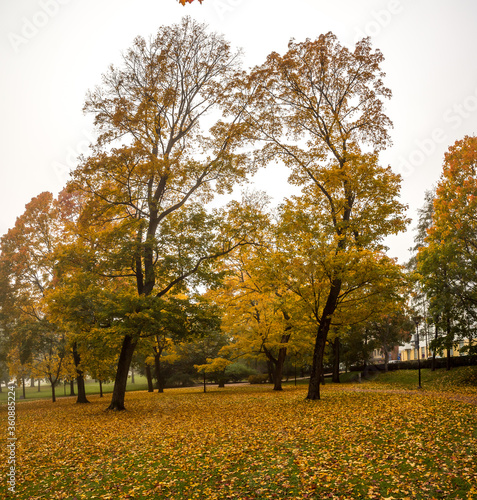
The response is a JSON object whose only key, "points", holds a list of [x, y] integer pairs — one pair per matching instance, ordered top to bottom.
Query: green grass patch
{"points": [[462, 378], [61, 391]]}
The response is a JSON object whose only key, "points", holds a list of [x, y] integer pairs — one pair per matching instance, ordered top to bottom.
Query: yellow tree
{"points": [[319, 109], [164, 150], [311, 266], [258, 311]]}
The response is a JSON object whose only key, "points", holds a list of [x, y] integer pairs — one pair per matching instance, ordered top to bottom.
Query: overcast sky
{"points": [[53, 51]]}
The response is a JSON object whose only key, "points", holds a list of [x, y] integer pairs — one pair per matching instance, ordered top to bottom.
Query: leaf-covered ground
{"points": [[248, 443]]}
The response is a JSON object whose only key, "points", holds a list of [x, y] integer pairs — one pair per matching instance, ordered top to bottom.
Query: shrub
{"points": [[237, 372], [259, 378], [180, 380]]}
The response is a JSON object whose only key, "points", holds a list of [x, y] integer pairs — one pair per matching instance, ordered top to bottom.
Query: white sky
{"points": [[53, 51]]}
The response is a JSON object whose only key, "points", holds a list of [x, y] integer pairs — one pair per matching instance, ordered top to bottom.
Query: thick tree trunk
{"points": [[320, 341], [448, 360], [336, 361], [317, 367], [278, 369], [79, 376], [222, 379], [121, 380], [32, 382], [150, 385], [72, 388]]}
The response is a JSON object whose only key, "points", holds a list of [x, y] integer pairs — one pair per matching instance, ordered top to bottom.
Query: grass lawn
{"points": [[463, 379], [62, 391], [248, 442]]}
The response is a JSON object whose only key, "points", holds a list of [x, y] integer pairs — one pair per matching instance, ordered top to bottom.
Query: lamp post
{"points": [[417, 320]]}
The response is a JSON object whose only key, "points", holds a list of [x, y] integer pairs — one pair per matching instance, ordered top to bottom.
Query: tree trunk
{"points": [[320, 341], [385, 346], [448, 360], [336, 361], [275, 365], [433, 365], [157, 366], [317, 367], [270, 371], [278, 371], [132, 375], [79, 377], [121, 379], [222, 379], [32, 382], [204, 383], [38, 385], [150, 386], [23, 388], [72, 388], [100, 388], [53, 395]]}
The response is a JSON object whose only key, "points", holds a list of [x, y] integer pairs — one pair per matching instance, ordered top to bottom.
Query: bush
{"points": [[237, 372], [259, 378], [180, 380]]}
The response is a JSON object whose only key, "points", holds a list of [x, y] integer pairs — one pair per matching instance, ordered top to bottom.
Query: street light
{"points": [[417, 320]]}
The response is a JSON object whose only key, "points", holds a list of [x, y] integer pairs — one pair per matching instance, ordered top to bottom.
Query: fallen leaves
{"points": [[249, 443]]}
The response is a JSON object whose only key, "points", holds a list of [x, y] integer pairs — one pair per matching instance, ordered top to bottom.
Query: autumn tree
{"points": [[319, 109], [163, 152], [447, 258], [28, 268], [258, 309]]}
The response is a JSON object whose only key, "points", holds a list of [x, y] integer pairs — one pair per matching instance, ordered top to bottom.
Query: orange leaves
{"points": [[183, 2], [249, 443]]}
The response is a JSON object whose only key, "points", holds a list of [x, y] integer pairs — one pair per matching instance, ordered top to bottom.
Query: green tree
{"points": [[447, 260]]}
